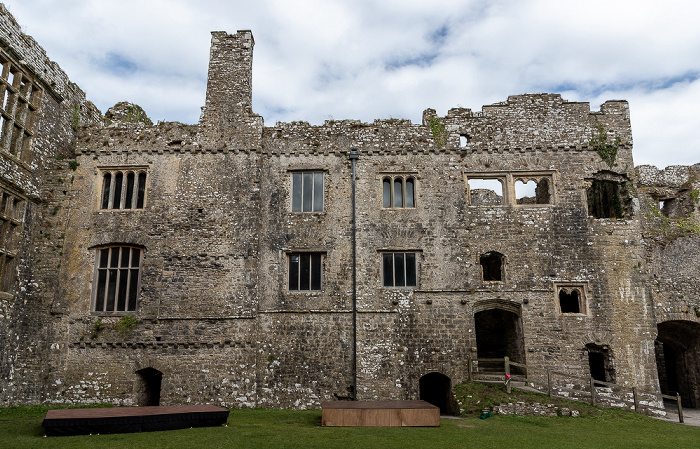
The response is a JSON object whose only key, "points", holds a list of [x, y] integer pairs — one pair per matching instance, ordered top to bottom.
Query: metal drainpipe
{"points": [[353, 156]]}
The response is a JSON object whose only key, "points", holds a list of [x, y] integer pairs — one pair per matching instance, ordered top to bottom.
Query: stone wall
{"points": [[41, 178], [216, 315]]}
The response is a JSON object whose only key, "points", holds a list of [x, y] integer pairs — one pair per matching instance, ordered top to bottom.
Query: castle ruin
{"points": [[228, 262]]}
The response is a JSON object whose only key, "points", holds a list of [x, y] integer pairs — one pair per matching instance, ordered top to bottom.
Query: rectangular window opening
{"points": [[486, 191], [307, 192], [399, 269], [305, 271]]}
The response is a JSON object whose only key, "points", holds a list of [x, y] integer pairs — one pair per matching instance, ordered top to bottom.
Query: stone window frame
{"points": [[20, 104], [125, 170], [392, 177], [292, 180], [508, 180], [13, 207], [416, 253], [289, 255], [103, 256], [568, 287]]}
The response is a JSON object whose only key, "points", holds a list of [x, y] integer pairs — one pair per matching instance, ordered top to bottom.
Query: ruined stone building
{"points": [[213, 263]]}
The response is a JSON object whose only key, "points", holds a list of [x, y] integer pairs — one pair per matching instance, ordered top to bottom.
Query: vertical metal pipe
{"points": [[353, 156]]}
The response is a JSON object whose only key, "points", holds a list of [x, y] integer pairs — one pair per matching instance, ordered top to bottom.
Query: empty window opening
{"points": [[463, 140], [123, 190], [532, 191], [307, 192], [398, 192], [485, 192], [607, 199], [677, 207], [492, 266], [399, 269], [305, 271], [117, 277], [570, 300], [498, 334], [600, 363], [149, 385], [435, 388]]}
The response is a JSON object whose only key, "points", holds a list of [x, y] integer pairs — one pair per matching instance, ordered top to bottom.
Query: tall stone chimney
{"points": [[227, 121]]}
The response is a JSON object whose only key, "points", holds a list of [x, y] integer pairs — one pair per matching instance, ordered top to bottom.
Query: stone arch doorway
{"points": [[499, 333], [678, 360], [148, 389], [435, 389]]}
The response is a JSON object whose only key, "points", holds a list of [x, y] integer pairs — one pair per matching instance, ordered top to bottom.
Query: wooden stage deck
{"points": [[379, 414], [87, 421]]}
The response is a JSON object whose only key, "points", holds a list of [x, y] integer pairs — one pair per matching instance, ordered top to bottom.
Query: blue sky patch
{"points": [[117, 64]]}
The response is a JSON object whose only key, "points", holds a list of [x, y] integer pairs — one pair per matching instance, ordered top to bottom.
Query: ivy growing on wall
{"points": [[438, 130], [599, 142]]}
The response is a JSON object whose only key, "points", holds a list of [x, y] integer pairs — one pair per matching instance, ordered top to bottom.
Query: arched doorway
{"points": [[499, 334], [678, 360], [435, 389], [148, 391]]}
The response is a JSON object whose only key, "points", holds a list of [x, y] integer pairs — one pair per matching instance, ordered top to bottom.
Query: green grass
{"points": [[21, 428]]}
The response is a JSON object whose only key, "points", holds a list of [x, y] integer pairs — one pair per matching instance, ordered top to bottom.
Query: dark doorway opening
{"points": [[499, 334], [678, 360], [600, 363], [435, 389], [148, 392]]}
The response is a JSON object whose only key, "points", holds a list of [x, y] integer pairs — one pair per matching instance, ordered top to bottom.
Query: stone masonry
{"points": [[213, 263]]}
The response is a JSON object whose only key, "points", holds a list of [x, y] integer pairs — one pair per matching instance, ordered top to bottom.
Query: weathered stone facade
{"points": [[234, 242]]}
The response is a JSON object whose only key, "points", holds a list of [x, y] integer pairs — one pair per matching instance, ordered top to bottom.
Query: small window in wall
{"points": [[463, 140], [123, 188], [533, 190], [307, 191], [398, 191], [486, 191], [680, 206], [492, 266], [399, 269], [305, 271], [116, 280], [571, 299]]}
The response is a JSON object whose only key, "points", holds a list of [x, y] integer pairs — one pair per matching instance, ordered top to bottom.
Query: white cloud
{"points": [[317, 59]]}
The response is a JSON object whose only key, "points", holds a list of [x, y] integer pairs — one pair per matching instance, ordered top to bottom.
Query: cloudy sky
{"points": [[360, 59]]}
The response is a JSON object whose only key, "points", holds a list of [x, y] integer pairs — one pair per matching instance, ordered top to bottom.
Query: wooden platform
{"points": [[379, 414], [87, 421]]}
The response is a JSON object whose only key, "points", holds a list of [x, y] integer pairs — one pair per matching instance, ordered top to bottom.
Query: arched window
{"points": [[123, 189], [398, 191], [116, 280]]}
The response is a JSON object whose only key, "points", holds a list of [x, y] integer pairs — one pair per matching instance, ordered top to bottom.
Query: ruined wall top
{"points": [[34, 59], [537, 120], [672, 176]]}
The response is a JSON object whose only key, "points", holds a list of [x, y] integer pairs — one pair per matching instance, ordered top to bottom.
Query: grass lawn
{"points": [[21, 428]]}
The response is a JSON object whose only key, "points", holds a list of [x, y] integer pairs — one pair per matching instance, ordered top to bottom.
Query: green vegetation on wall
{"points": [[599, 142]]}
